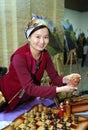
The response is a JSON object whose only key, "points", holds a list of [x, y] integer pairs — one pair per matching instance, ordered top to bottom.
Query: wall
{"points": [[14, 16], [79, 20]]}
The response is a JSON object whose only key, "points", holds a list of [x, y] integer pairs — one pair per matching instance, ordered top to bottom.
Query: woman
{"points": [[27, 65]]}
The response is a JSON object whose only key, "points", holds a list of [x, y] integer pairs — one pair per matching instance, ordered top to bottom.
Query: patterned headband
{"points": [[34, 24]]}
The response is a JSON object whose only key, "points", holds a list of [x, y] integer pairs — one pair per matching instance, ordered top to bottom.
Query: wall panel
{"points": [[14, 16]]}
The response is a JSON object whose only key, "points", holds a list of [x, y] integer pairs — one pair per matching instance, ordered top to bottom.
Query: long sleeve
{"points": [[53, 74], [26, 81]]}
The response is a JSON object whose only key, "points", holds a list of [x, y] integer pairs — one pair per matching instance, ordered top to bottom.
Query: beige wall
{"points": [[15, 14]]}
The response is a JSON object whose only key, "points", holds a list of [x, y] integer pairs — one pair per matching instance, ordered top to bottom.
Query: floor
{"points": [[83, 85]]}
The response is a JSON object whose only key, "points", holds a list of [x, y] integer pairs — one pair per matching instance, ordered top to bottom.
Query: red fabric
{"points": [[20, 76]]}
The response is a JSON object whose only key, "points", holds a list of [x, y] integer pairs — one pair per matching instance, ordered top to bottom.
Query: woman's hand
{"points": [[72, 79], [65, 88]]}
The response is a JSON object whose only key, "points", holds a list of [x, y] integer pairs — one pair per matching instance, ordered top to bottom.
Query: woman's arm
{"points": [[53, 74], [71, 79]]}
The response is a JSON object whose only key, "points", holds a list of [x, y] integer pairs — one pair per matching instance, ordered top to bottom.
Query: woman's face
{"points": [[39, 39]]}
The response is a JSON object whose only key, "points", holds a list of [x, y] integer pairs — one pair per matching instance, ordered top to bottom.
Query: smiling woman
{"points": [[14, 19], [38, 41], [27, 65]]}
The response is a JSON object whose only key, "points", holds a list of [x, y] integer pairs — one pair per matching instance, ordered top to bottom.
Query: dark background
{"points": [[77, 5]]}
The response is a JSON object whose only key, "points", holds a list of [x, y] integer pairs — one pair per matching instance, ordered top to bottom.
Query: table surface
{"points": [[7, 118]]}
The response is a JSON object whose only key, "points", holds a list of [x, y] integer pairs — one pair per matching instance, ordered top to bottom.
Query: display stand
{"points": [[71, 55]]}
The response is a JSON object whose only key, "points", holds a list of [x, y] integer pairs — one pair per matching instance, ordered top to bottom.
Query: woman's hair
{"points": [[39, 27]]}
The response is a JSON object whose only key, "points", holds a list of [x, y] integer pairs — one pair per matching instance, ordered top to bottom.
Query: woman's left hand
{"points": [[72, 79]]}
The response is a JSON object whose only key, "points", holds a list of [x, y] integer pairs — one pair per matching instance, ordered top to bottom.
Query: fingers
{"points": [[76, 76], [68, 77], [72, 79], [65, 88], [68, 88], [72, 88]]}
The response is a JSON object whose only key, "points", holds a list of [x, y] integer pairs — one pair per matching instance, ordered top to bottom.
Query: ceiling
{"points": [[77, 5]]}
